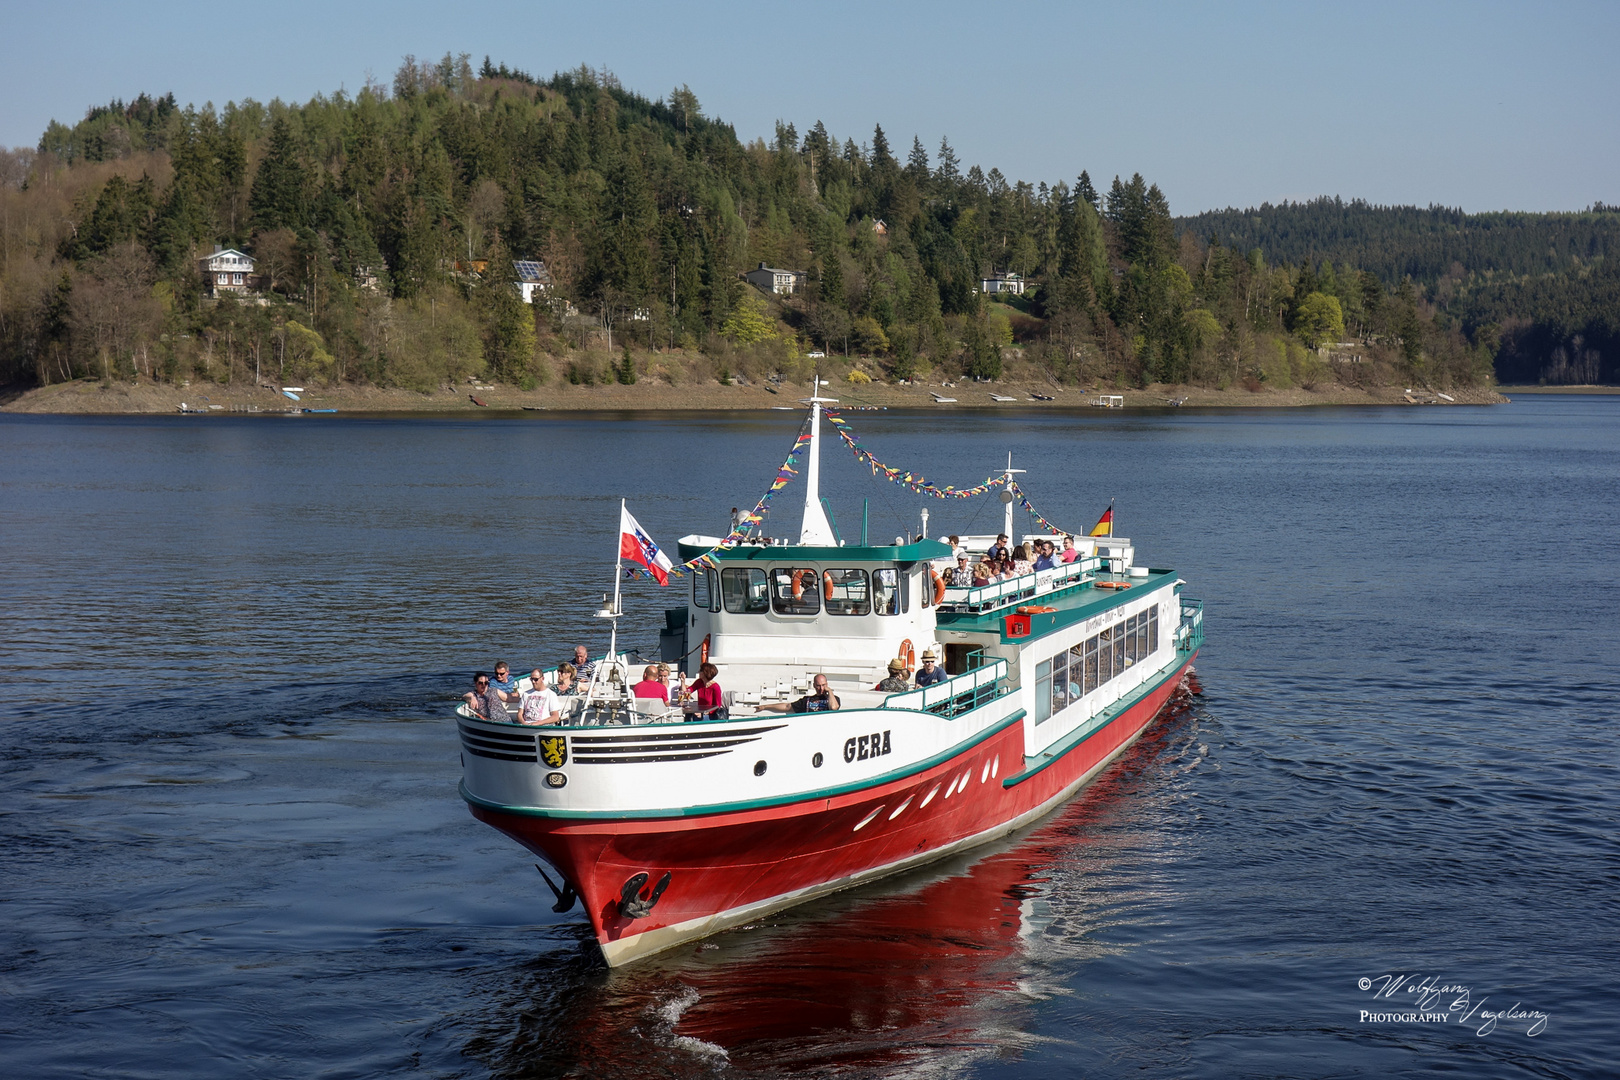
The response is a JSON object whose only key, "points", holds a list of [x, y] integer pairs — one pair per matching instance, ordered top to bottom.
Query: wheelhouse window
{"points": [[744, 590], [795, 591], [886, 591], [847, 592], [705, 595]]}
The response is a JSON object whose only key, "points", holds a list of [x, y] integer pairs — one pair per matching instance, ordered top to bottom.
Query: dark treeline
{"points": [[385, 226], [1545, 285]]}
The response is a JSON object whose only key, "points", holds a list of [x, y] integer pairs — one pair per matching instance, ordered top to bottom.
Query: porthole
{"points": [[815, 762], [759, 768]]}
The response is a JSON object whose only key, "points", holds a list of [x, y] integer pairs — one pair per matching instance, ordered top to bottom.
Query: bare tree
{"points": [[113, 311]]}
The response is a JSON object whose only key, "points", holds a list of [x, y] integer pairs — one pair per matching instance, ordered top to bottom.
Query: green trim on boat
{"points": [[1060, 750], [749, 804]]}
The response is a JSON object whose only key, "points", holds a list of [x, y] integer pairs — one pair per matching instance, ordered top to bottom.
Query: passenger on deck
{"points": [[999, 550], [1070, 552], [1046, 558], [1021, 562], [963, 574], [983, 574], [584, 666], [930, 673], [503, 680], [896, 682], [566, 683], [651, 686], [821, 699], [484, 700], [708, 700], [541, 704]]}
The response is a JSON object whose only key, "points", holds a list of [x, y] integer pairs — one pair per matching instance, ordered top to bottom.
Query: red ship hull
{"points": [[728, 867]]}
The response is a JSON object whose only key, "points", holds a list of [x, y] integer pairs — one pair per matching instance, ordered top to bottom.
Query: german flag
{"points": [[1105, 524]]}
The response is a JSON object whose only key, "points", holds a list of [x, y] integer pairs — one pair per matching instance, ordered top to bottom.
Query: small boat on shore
{"points": [[671, 824]]}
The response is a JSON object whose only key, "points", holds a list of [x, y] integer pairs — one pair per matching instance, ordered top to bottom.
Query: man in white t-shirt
{"points": [[541, 705]]}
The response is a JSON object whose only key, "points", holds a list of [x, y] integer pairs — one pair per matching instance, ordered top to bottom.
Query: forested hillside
{"points": [[385, 226], [1546, 285]]}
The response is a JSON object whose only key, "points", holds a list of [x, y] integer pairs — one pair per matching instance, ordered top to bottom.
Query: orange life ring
{"points": [[827, 585], [798, 587], [939, 587], [703, 651], [908, 654]]}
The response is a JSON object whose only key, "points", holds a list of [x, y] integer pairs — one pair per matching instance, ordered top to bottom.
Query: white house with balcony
{"points": [[226, 271], [773, 280], [1002, 283]]}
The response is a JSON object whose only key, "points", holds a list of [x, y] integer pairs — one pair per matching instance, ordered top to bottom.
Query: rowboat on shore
{"points": [[669, 825]]}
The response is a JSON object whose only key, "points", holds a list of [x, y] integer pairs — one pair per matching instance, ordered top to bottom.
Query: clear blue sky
{"points": [[1482, 105]]}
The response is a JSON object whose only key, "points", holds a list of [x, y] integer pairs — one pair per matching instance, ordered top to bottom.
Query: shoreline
{"points": [[145, 397]]}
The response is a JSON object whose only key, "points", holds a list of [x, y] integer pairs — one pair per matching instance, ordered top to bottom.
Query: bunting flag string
{"points": [[903, 477], [1023, 500], [747, 522]]}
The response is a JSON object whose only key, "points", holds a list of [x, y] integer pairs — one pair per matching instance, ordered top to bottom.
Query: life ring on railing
{"points": [[827, 585], [939, 587], [703, 651], [908, 654]]}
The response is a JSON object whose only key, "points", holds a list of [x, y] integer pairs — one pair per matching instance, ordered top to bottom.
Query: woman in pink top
{"points": [[650, 686], [708, 698]]}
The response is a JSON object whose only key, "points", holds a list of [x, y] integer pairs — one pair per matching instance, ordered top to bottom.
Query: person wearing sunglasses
{"points": [[484, 700]]}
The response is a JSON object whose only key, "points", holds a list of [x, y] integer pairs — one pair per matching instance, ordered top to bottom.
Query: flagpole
{"points": [[1110, 520], [618, 572]]}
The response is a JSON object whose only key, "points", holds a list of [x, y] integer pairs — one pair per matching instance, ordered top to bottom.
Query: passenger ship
{"points": [[670, 829]]}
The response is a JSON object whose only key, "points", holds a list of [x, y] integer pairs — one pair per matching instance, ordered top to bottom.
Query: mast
{"points": [[1007, 499], [816, 529]]}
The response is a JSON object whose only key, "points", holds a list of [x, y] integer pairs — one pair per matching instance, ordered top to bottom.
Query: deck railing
{"points": [[1001, 593], [1190, 634], [956, 695]]}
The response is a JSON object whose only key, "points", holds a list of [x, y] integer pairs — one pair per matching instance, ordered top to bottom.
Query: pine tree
{"points": [[917, 163], [1084, 189], [278, 200]]}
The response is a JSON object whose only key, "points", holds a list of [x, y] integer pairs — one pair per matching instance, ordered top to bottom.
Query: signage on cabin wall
{"points": [[862, 747]]}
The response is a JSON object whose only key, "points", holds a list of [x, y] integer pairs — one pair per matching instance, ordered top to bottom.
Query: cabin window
{"points": [[927, 588], [744, 590], [795, 591], [886, 591], [846, 592], [704, 594], [1153, 630], [1090, 648], [1119, 650], [1105, 656], [1077, 672], [1060, 682], [1043, 691]]}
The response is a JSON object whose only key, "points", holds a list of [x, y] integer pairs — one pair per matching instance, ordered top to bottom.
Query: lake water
{"points": [[231, 845]]}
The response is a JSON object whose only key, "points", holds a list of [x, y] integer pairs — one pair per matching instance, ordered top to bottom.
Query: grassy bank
{"points": [[145, 396]]}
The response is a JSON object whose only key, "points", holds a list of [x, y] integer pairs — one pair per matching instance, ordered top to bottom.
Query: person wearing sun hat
{"points": [[930, 672], [896, 682]]}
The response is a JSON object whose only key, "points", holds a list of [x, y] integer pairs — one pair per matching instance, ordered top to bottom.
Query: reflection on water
{"points": [[923, 974]]}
